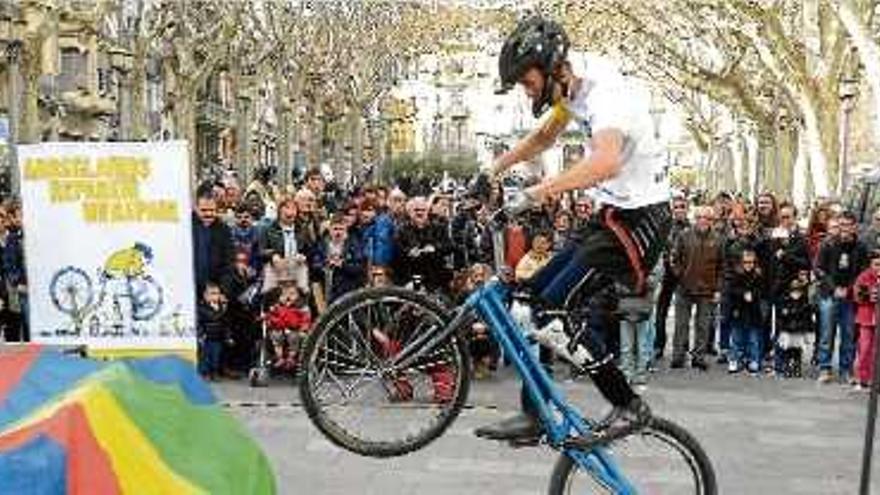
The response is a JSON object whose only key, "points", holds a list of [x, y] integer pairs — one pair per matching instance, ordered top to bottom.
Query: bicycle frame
{"points": [[488, 303]]}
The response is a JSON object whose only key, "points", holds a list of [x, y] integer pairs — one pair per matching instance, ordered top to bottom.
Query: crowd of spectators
{"points": [[757, 286], [774, 291]]}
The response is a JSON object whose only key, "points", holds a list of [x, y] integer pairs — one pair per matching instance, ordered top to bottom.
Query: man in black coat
{"points": [[212, 242], [285, 246], [424, 246], [784, 251], [839, 263], [337, 264], [669, 282]]}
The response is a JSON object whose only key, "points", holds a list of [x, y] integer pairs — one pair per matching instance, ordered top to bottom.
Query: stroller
{"points": [[266, 356]]}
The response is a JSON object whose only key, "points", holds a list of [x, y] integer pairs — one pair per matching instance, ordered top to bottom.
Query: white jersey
{"points": [[642, 180]]}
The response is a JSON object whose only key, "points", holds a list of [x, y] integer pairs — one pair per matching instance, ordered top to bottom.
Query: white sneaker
{"points": [[733, 367]]}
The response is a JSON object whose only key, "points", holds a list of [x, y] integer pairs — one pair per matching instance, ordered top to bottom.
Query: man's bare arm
{"points": [[538, 141], [603, 163]]}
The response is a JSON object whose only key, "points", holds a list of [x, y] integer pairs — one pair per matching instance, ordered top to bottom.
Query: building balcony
{"points": [[213, 114]]}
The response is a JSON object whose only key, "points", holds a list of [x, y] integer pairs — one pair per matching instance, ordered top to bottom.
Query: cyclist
{"points": [[625, 172], [128, 263]]}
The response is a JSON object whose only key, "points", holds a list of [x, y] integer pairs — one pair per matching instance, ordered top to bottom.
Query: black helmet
{"points": [[536, 42]]}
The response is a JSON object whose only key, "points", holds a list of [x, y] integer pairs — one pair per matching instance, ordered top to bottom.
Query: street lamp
{"points": [[12, 28], [122, 61], [847, 91], [657, 110], [782, 121]]}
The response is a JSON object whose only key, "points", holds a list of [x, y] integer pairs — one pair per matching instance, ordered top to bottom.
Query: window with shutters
{"points": [[73, 70]]}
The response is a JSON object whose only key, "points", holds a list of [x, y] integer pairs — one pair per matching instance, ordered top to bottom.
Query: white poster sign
{"points": [[108, 244]]}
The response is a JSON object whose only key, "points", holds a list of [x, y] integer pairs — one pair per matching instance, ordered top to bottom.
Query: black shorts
{"points": [[617, 246]]}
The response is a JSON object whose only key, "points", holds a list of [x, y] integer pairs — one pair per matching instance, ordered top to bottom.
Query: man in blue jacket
{"points": [[377, 234]]}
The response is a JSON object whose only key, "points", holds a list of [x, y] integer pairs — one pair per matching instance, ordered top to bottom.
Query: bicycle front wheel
{"points": [[71, 290], [353, 397], [661, 459]]}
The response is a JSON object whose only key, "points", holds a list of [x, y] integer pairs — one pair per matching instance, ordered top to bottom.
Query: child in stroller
{"points": [[286, 320], [288, 323]]}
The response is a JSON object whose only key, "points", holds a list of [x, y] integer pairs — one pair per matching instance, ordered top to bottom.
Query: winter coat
{"points": [[678, 226], [247, 240], [377, 240], [471, 241], [272, 242], [734, 245], [423, 252], [212, 253], [13, 259], [782, 259], [697, 260], [839, 264], [350, 276], [745, 291], [865, 292], [796, 313], [282, 317], [212, 324]]}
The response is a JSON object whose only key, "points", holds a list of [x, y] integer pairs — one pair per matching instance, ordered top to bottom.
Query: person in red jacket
{"points": [[865, 290], [288, 321]]}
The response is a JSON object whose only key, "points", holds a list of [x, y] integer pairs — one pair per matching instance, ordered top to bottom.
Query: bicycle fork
{"points": [[544, 393]]}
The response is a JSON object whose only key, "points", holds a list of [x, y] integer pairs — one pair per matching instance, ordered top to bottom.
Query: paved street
{"points": [[765, 436]]}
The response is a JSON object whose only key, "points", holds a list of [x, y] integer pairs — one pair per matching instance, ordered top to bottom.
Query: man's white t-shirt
{"points": [[642, 180]]}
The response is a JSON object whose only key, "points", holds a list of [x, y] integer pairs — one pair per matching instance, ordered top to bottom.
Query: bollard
{"points": [[867, 453]]}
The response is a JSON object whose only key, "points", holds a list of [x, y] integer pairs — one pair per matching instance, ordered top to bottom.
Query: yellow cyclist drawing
{"points": [[129, 263], [124, 280]]}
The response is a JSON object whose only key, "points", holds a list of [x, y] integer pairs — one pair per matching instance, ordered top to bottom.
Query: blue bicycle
{"points": [[387, 370]]}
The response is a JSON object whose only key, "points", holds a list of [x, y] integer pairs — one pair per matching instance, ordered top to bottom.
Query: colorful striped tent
{"points": [[147, 426]]}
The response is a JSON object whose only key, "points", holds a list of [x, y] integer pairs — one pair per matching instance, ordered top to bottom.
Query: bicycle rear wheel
{"points": [[352, 397], [662, 459]]}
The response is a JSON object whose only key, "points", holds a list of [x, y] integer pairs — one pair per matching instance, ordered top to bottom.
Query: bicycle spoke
{"points": [[418, 331], [360, 336], [347, 351]]}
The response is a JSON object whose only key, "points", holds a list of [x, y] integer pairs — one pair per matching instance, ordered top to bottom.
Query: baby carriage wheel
{"points": [[258, 377]]}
